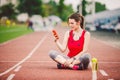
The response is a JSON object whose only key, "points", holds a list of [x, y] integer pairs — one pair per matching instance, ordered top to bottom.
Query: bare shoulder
{"points": [[87, 33], [66, 35]]}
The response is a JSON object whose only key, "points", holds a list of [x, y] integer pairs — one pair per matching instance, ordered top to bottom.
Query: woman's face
{"points": [[73, 24]]}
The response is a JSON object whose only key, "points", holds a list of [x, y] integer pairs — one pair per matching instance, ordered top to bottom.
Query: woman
{"points": [[76, 40]]}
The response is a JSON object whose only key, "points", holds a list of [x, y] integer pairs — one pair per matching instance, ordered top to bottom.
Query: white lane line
{"points": [[27, 57], [27, 61], [48, 61], [51, 61], [17, 69], [94, 72], [103, 73], [94, 75], [10, 77], [110, 79]]}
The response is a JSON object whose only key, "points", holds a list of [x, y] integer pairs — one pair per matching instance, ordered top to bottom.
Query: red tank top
{"points": [[75, 46]]}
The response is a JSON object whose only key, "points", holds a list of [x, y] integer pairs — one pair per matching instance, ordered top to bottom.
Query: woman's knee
{"points": [[53, 54], [85, 56], [85, 59]]}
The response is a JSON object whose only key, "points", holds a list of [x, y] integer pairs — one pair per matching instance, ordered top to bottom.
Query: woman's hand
{"points": [[55, 35], [76, 61], [68, 62]]}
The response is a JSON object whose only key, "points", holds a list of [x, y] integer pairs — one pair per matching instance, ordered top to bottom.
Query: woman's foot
{"points": [[61, 66], [78, 67]]}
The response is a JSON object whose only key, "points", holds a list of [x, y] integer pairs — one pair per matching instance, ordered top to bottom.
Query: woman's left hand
{"points": [[68, 62], [76, 62]]}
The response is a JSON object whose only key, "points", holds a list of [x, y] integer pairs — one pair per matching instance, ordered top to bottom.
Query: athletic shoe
{"points": [[60, 66], [78, 67]]}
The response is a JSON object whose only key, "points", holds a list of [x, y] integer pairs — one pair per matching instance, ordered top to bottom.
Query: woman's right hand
{"points": [[55, 35], [68, 62], [76, 62]]}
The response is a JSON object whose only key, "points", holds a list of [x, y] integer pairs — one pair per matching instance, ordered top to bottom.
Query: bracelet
{"points": [[55, 40], [74, 58]]}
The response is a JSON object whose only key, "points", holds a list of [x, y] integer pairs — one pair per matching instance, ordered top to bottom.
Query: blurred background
{"points": [[98, 14], [101, 16]]}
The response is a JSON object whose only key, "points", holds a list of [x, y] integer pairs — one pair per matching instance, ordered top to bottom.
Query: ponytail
{"points": [[82, 22]]}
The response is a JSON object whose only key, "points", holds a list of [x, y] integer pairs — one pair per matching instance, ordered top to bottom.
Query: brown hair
{"points": [[77, 17]]}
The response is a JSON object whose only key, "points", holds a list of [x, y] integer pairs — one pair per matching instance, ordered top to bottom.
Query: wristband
{"points": [[55, 40], [74, 58]]}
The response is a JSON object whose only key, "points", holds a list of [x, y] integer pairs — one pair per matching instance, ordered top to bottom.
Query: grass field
{"points": [[11, 32]]}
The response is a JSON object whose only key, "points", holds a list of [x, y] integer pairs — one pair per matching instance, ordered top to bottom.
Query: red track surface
{"points": [[38, 66]]}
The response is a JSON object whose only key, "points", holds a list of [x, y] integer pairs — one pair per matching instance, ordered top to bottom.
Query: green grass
{"points": [[11, 32]]}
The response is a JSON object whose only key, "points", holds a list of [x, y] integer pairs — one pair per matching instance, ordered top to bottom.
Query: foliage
{"points": [[84, 2], [30, 6], [61, 7], [99, 7], [51, 8], [45, 9], [8, 11], [64, 11]]}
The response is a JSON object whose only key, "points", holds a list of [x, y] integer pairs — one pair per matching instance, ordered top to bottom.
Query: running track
{"points": [[26, 58]]}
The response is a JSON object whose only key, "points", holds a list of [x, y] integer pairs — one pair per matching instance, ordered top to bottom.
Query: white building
{"points": [[4, 2]]}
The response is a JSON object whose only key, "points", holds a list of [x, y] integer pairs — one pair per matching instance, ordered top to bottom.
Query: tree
{"points": [[84, 2], [85, 5], [30, 6], [53, 7], [61, 7], [99, 7], [46, 9], [63, 10], [68, 10], [8, 11]]}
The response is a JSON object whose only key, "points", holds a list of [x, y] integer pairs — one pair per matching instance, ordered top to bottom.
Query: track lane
{"points": [[14, 62], [43, 68]]}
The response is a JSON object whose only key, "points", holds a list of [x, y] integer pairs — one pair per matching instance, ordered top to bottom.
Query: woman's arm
{"points": [[63, 46]]}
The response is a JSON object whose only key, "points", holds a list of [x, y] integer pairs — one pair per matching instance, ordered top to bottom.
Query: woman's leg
{"points": [[58, 57], [61, 59], [84, 60]]}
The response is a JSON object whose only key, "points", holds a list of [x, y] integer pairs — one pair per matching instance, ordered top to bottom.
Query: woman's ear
{"points": [[78, 23]]}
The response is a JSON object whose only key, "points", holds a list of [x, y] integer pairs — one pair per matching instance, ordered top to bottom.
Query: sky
{"points": [[110, 4]]}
